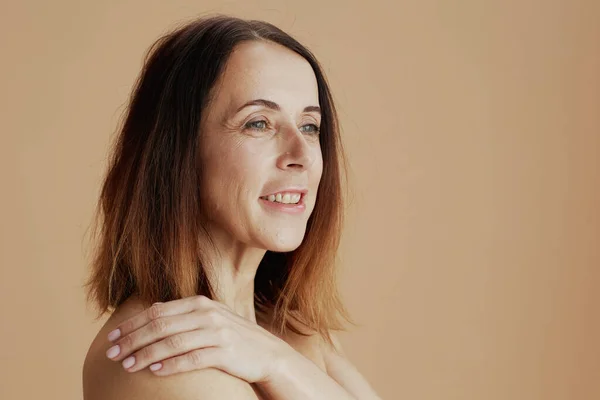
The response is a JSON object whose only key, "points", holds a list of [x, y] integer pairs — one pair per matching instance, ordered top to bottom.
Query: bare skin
{"points": [[105, 370]]}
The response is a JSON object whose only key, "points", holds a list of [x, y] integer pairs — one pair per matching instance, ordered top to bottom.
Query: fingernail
{"points": [[114, 335], [113, 351], [128, 362], [155, 367]]}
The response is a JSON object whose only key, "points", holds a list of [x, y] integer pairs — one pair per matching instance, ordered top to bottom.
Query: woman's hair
{"points": [[148, 226]]}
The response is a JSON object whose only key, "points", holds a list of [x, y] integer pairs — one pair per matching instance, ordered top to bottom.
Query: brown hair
{"points": [[148, 222]]}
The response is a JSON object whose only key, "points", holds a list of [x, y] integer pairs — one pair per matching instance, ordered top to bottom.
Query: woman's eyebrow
{"points": [[274, 106]]}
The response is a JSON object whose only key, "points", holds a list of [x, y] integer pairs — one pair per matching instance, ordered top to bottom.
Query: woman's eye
{"points": [[257, 125], [262, 125], [315, 129]]}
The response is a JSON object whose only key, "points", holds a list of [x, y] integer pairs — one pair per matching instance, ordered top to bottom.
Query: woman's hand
{"points": [[193, 333]]}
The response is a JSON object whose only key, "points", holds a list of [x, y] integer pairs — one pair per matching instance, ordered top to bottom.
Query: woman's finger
{"points": [[161, 310], [156, 330], [169, 347], [208, 357]]}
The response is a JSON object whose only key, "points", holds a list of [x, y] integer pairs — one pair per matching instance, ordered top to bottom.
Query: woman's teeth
{"points": [[286, 198]]}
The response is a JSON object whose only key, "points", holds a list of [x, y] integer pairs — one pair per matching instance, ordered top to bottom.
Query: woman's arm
{"points": [[197, 333], [298, 378]]}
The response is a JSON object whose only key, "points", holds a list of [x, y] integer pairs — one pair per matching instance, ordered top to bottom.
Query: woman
{"points": [[210, 209]]}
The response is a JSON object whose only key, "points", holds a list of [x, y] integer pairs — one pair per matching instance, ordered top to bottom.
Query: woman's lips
{"points": [[301, 192], [282, 207]]}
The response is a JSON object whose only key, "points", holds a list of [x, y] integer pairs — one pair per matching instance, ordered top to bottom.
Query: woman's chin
{"points": [[282, 246]]}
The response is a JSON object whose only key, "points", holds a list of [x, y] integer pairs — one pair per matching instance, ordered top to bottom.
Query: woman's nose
{"points": [[296, 152]]}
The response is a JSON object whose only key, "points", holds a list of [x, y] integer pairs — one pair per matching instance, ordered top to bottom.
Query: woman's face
{"points": [[259, 148]]}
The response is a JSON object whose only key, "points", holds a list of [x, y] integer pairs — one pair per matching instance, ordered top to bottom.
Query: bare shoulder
{"points": [[308, 344], [341, 370], [107, 380]]}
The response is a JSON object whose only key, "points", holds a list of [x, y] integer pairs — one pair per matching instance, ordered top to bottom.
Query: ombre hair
{"points": [[148, 226]]}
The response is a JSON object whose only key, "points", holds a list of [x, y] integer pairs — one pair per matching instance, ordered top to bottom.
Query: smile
{"points": [[284, 197], [289, 202]]}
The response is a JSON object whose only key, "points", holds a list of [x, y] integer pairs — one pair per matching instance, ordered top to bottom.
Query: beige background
{"points": [[471, 256]]}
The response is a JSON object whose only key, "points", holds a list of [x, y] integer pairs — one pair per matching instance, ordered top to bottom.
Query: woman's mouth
{"points": [[284, 198], [289, 202]]}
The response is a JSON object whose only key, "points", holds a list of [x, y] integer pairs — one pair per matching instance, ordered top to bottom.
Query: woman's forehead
{"points": [[262, 70]]}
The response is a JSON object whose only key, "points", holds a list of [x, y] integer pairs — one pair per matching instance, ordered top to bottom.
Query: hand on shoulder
{"points": [[103, 379]]}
